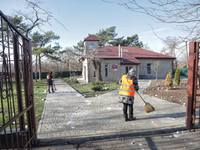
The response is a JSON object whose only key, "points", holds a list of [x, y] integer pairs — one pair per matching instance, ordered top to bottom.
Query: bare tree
{"points": [[182, 12], [35, 16], [146, 46], [175, 47], [69, 57], [95, 61], [155, 67]]}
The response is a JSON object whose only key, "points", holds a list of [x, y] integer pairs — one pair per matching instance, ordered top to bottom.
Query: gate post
{"points": [[192, 84]]}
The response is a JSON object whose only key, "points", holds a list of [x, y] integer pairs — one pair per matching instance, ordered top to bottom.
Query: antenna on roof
{"points": [[119, 49]]}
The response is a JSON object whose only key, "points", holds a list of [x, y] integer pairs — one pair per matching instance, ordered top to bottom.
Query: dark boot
{"points": [[49, 91], [53, 91], [126, 117], [131, 117]]}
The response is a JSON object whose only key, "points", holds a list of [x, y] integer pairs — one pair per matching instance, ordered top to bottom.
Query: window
{"points": [[91, 46], [128, 68], [148, 68], [106, 70]]}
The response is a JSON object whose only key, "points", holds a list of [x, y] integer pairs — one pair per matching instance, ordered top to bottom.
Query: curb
{"points": [[83, 139]]}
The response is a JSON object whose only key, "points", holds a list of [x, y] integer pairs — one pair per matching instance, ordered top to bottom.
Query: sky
{"points": [[83, 17]]}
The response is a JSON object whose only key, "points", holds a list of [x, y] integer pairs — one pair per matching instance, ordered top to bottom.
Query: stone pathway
{"points": [[68, 114]]}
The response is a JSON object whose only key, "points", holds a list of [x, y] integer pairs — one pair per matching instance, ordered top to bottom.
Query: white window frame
{"points": [[91, 46], [149, 67], [106, 68]]}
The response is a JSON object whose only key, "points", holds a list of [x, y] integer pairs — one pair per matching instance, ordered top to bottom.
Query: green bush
{"points": [[177, 76], [67, 80], [70, 80], [73, 80], [117, 82], [96, 83], [97, 87]]}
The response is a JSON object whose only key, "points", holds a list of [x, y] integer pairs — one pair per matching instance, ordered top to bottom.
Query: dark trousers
{"points": [[127, 106]]}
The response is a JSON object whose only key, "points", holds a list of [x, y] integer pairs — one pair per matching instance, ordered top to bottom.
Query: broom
{"points": [[54, 87], [147, 106]]}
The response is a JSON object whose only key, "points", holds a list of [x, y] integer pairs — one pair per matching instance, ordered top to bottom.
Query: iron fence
{"points": [[17, 114]]}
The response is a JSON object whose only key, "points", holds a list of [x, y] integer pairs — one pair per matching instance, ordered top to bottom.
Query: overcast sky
{"points": [[83, 17]]}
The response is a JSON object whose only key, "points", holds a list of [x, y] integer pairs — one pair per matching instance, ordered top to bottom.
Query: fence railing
{"points": [[17, 114]]}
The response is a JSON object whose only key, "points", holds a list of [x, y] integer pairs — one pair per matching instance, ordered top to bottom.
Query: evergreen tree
{"points": [[106, 35], [129, 41], [79, 48], [41, 49], [177, 76]]}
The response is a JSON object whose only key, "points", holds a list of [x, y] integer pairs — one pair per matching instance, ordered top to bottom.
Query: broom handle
{"points": [[141, 96]]}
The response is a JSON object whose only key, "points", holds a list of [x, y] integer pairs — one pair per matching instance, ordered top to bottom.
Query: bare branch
{"points": [[46, 12], [183, 13]]}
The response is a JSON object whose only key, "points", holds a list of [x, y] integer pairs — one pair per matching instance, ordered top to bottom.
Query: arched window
{"points": [[91, 46]]}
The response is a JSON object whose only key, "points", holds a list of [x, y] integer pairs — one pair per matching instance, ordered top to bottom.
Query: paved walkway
{"points": [[68, 114]]}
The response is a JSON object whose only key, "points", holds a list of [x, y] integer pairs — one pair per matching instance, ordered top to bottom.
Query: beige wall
{"points": [[87, 44], [164, 68], [112, 74]]}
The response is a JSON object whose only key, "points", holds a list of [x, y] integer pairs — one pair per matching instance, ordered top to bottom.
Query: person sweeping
{"points": [[50, 82], [128, 86]]}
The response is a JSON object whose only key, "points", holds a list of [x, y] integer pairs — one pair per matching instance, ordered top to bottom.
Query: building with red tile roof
{"points": [[91, 38], [118, 60]]}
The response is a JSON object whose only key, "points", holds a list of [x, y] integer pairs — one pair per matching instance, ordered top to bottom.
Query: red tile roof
{"points": [[91, 38], [130, 54]]}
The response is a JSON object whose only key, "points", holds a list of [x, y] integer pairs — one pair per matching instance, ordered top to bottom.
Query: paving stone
{"points": [[67, 113]]}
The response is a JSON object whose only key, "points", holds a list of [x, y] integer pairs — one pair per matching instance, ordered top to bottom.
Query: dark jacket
{"points": [[49, 81], [129, 99]]}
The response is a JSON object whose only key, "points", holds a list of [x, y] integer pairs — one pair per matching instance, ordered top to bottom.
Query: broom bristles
{"points": [[55, 89], [148, 107]]}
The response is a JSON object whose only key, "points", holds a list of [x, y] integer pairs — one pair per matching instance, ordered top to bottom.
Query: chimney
{"points": [[119, 49], [122, 54]]}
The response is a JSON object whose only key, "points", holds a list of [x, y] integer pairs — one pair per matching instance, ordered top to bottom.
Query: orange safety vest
{"points": [[48, 76], [127, 87]]}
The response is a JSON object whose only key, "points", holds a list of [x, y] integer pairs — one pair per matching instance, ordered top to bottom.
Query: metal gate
{"points": [[192, 92], [17, 115]]}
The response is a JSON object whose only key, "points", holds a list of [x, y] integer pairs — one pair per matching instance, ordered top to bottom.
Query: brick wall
{"points": [[87, 44], [164, 68], [112, 74]]}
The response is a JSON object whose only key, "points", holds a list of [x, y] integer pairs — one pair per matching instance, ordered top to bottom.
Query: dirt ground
{"points": [[177, 95]]}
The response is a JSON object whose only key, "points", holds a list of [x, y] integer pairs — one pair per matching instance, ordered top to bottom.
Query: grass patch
{"points": [[86, 89], [39, 95], [10, 98]]}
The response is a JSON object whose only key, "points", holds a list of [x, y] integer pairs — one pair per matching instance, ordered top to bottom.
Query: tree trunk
{"points": [[96, 66], [35, 68], [40, 69], [97, 75], [156, 75], [100, 77]]}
